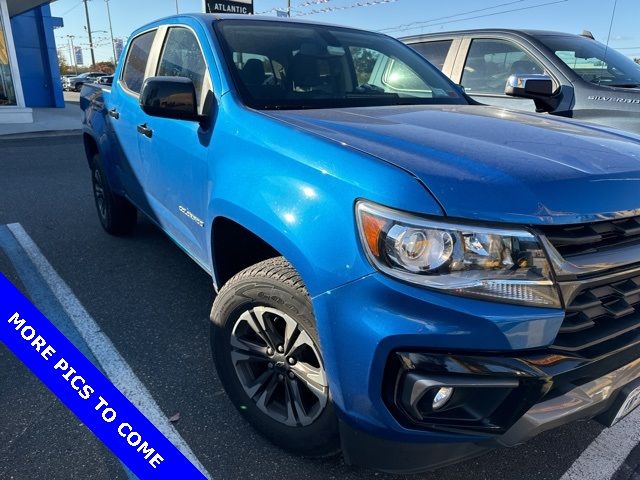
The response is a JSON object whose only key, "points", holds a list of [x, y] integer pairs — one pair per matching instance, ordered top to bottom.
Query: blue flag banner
{"points": [[87, 392]]}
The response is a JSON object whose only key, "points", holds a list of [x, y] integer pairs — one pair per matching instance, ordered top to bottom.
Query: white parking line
{"points": [[113, 364], [606, 454]]}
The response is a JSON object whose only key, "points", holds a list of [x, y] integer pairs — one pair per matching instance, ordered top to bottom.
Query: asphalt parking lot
{"points": [[153, 303]]}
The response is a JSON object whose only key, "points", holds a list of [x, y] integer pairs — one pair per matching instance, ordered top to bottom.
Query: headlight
{"points": [[501, 264]]}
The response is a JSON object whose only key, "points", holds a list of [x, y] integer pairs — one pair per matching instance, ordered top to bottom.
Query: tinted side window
{"points": [[435, 52], [182, 57], [136, 63], [490, 63], [376, 71], [400, 77]]}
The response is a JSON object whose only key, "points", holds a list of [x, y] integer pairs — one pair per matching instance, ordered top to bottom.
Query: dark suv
{"points": [[88, 77], [585, 79]]}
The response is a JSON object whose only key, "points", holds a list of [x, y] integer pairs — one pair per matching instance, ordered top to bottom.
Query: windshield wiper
{"points": [[624, 85]]}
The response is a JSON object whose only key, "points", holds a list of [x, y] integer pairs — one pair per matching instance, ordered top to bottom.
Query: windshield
{"points": [[594, 62], [281, 65]]}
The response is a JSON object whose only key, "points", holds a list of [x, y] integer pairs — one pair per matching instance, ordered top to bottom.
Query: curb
{"points": [[40, 134]]}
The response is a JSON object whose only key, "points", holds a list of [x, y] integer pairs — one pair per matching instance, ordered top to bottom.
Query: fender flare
{"points": [[267, 232]]}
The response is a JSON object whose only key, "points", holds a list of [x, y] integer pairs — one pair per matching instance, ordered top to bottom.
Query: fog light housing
{"points": [[442, 396], [443, 399]]}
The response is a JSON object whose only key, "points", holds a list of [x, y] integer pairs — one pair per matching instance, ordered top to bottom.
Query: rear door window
{"points": [[436, 52], [136, 63]]}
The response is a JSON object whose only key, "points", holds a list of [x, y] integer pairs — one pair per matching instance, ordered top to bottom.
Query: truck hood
{"points": [[487, 163]]}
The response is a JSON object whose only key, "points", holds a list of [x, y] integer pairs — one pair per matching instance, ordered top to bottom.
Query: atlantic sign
{"points": [[226, 6]]}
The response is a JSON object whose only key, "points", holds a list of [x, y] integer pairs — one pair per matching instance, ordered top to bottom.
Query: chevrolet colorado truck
{"points": [[587, 80], [401, 274]]}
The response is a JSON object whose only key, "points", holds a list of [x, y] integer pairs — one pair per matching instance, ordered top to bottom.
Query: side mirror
{"points": [[529, 86], [538, 88], [170, 97]]}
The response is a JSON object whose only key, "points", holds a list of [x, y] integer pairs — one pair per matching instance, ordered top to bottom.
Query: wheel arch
{"points": [[90, 147], [242, 240], [234, 248]]}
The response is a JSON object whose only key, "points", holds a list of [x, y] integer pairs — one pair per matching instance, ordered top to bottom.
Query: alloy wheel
{"points": [[98, 191], [279, 366]]}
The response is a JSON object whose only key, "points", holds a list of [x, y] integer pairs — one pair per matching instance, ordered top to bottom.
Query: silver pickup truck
{"points": [[585, 79]]}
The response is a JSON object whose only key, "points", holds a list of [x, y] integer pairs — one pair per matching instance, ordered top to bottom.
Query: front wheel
{"points": [[266, 350]]}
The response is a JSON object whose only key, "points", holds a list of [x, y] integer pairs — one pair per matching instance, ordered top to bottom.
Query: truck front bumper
{"points": [[388, 347], [604, 394], [562, 402]]}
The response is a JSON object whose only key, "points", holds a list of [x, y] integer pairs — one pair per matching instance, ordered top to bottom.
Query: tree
{"points": [[364, 60], [62, 63], [104, 67]]}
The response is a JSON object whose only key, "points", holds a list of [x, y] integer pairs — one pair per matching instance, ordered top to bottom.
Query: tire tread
{"points": [[277, 268]]}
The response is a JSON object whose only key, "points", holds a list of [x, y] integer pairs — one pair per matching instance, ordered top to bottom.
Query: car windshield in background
{"points": [[594, 62], [281, 65]]}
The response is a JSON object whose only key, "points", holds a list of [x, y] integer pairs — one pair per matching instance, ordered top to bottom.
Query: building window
{"points": [[7, 93]]}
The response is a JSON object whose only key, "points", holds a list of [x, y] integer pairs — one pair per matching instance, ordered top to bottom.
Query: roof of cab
{"points": [[208, 17], [510, 31]]}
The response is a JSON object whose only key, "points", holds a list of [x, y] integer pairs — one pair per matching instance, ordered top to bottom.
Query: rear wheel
{"points": [[117, 215], [266, 350]]}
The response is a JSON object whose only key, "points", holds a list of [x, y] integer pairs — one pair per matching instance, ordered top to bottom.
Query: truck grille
{"points": [[572, 240], [602, 303], [600, 313]]}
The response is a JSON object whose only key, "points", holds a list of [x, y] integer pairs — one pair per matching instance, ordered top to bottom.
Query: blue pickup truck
{"points": [[401, 274]]}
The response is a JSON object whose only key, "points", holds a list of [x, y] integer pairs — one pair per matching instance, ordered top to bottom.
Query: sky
{"points": [[394, 17]]}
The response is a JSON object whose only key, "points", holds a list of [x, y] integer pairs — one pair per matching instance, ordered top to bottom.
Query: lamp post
{"points": [[72, 52], [115, 60]]}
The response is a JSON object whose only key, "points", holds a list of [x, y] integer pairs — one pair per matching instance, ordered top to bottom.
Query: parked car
{"points": [[586, 79], [80, 80], [106, 80], [66, 82], [400, 272]]}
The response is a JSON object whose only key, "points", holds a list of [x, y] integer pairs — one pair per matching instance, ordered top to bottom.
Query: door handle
{"points": [[114, 113], [144, 130]]}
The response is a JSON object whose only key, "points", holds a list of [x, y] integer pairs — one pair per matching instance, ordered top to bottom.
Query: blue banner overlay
{"points": [[84, 389]]}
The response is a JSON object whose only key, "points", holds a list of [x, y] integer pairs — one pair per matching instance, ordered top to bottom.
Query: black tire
{"points": [[117, 215], [273, 285]]}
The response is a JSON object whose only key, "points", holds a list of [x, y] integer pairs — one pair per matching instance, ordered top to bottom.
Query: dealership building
{"points": [[29, 71]]}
